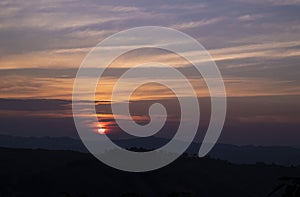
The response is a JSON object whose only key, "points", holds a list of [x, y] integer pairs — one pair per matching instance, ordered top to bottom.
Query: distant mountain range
{"points": [[250, 154]]}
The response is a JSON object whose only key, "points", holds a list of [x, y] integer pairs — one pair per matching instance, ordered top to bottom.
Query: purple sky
{"points": [[256, 45]]}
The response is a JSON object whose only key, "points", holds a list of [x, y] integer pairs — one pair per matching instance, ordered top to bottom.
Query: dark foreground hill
{"points": [[26, 172]]}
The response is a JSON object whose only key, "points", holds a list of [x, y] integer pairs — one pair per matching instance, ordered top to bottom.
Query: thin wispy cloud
{"points": [[272, 2], [250, 17], [194, 24], [247, 39]]}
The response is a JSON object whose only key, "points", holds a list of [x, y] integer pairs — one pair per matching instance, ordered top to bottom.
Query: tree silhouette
{"points": [[290, 186]]}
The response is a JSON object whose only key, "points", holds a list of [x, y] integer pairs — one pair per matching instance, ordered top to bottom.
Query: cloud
{"points": [[271, 2], [285, 2], [57, 15], [250, 17], [194, 24], [43, 43], [34, 87], [250, 120]]}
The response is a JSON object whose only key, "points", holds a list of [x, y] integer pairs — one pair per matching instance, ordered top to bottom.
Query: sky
{"points": [[256, 45]]}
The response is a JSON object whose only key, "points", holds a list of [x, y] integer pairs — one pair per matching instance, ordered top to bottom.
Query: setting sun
{"points": [[101, 131]]}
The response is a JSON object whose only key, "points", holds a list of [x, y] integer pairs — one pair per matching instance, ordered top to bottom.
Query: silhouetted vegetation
{"points": [[36, 173], [290, 187]]}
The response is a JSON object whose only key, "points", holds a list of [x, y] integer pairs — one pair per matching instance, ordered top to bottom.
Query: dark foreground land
{"points": [[42, 173]]}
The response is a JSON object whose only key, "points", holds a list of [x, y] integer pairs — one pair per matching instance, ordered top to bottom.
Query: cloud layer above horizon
{"points": [[256, 44]]}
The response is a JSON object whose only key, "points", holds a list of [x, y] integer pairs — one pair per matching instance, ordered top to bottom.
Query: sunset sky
{"points": [[256, 45]]}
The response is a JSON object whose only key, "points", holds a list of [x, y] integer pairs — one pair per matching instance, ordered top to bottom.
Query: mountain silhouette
{"points": [[250, 154]]}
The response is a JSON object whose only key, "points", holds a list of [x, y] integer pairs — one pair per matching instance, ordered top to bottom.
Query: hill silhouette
{"points": [[249, 154], [26, 172]]}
